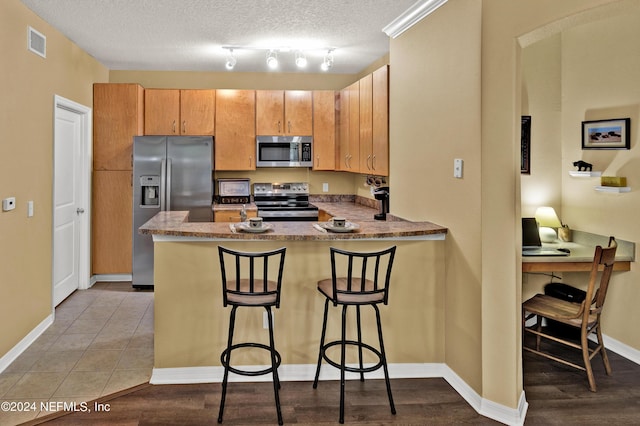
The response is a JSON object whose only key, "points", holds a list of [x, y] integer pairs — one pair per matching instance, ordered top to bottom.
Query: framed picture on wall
{"points": [[606, 134], [525, 145]]}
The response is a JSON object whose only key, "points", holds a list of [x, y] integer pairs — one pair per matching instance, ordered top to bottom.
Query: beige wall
{"points": [[28, 84], [483, 210]]}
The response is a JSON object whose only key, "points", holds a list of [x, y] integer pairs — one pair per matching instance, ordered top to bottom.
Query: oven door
{"points": [[296, 214]]}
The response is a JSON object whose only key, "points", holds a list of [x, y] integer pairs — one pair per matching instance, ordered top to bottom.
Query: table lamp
{"points": [[547, 221]]}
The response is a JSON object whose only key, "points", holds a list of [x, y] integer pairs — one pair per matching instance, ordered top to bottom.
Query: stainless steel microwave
{"points": [[284, 151]]}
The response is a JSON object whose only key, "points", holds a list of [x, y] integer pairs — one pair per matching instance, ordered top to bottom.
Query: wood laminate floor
{"points": [[557, 395]]}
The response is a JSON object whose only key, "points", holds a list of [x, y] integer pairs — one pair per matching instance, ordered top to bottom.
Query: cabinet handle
{"points": [[289, 124], [173, 126], [279, 126], [184, 127], [369, 158], [250, 161], [317, 161], [373, 162]]}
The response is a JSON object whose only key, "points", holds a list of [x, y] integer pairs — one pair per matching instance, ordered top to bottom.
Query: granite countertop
{"points": [[176, 224]]}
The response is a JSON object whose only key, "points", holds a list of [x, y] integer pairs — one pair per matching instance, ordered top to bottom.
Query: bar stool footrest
{"points": [[356, 344], [225, 355]]}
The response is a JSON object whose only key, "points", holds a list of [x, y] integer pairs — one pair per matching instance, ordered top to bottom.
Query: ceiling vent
{"points": [[36, 42]]}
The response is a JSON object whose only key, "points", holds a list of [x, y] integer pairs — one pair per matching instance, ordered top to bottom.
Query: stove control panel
{"points": [[281, 188]]}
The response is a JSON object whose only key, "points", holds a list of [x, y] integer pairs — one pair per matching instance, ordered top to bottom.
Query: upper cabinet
{"points": [[118, 111], [179, 112], [284, 112], [374, 122], [324, 130], [235, 142], [363, 145]]}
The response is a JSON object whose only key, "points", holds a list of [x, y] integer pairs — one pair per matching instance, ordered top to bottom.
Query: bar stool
{"points": [[371, 288], [251, 289]]}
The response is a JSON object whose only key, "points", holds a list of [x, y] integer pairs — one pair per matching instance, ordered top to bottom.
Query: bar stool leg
{"points": [[360, 343], [321, 350], [343, 356], [384, 361], [226, 362], [276, 379]]}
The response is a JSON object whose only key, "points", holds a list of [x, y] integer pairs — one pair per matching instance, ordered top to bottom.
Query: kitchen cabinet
{"points": [[118, 111], [179, 112], [284, 112], [374, 122], [380, 122], [324, 130], [235, 141], [348, 157], [231, 215], [112, 222]]}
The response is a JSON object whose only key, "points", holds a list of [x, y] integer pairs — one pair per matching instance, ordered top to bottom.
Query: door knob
{"points": [[79, 210]]}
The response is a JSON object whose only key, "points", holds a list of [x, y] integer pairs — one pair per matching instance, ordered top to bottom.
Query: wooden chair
{"points": [[246, 282], [365, 283], [585, 316]]}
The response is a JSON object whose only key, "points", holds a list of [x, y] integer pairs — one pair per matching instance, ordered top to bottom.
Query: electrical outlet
{"points": [[325, 187], [8, 204], [30, 209]]}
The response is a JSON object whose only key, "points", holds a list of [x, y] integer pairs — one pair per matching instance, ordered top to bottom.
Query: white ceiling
{"points": [[188, 35]]}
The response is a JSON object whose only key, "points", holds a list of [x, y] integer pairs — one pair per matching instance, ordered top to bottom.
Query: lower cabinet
{"points": [[231, 215], [323, 216], [112, 222]]}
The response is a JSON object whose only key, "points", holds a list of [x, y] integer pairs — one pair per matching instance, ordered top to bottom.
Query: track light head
{"points": [[272, 59], [301, 59], [231, 60]]}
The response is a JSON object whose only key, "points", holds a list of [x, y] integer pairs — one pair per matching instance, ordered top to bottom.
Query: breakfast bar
{"points": [[191, 322]]}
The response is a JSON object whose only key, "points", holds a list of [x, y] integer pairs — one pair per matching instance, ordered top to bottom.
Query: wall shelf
{"points": [[585, 174], [616, 189]]}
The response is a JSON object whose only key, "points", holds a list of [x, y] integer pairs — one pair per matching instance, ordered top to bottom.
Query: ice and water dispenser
{"points": [[150, 191]]}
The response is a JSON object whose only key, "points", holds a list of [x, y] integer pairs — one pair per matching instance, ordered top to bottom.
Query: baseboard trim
{"points": [[111, 278], [22, 346], [306, 372]]}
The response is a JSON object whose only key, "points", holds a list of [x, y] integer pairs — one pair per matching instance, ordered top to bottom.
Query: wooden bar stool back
{"points": [[248, 280], [363, 280], [584, 316]]}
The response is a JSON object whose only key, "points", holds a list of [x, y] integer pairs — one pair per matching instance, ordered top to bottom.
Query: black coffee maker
{"points": [[382, 194]]}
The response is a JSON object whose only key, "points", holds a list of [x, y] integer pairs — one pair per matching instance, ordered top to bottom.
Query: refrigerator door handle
{"points": [[163, 184], [168, 184]]}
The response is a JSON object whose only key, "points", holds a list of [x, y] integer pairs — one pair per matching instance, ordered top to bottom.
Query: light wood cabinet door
{"points": [[161, 112], [197, 112], [269, 112], [298, 112], [284, 113], [118, 116], [366, 118], [380, 125], [324, 130], [235, 142], [342, 150], [353, 162], [231, 215], [112, 222]]}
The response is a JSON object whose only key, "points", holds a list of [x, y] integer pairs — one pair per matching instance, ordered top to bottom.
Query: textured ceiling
{"points": [[187, 35]]}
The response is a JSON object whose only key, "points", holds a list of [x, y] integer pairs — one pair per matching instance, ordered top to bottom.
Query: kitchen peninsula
{"points": [[191, 322]]}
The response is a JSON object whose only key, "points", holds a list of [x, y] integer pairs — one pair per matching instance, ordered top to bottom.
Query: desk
{"points": [[581, 257]]}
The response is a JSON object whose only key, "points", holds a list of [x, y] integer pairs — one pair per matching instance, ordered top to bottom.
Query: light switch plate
{"points": [[457, 168], [8, 204]]}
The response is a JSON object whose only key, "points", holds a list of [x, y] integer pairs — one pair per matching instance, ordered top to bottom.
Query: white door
{"points": [[70, 199]]}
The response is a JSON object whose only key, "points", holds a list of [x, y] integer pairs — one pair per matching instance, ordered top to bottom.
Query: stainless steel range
{"points": [[280, 202]]}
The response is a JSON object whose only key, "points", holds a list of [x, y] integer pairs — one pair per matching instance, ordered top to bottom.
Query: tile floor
{"points": [[100, 342]]}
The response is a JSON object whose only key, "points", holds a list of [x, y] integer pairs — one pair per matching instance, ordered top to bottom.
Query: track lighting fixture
{"points": [[300, 57], [272, 59], [231, 60], [301, 60], [327, 62]]}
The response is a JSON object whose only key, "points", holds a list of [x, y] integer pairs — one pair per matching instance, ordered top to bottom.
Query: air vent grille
{"points": [[37, 42]]}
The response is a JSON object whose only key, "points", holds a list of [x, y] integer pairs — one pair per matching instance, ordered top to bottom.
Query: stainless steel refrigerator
{"points": [[169, 173]]}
